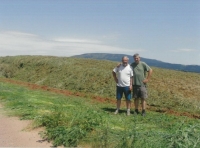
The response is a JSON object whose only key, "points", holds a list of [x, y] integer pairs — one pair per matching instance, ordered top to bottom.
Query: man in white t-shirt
{"points": [[123, 77]]}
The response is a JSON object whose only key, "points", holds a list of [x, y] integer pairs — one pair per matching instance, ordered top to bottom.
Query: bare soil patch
{"points": [[14, 133]]}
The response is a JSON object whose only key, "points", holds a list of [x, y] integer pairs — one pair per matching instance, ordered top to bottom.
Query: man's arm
{"points": [[118, 65], [148, 76], [115, 77], [131, 83]]}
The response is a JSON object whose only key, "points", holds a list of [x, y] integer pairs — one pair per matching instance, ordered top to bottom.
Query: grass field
{"points": [[168, 89], [173, 111], [77, 121]]}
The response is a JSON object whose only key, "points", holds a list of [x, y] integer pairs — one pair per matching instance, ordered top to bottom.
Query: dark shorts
{"points": [[123, 90], [140, 92]]}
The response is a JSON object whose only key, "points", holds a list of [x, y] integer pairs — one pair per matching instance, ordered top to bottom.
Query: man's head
{"points": [[136, 58], [125, 60]]}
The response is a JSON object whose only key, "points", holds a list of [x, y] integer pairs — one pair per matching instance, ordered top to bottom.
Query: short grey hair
{"points": [[136, 55], [125, 57]]}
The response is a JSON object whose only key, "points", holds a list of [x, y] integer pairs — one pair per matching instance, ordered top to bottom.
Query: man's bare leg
{"points": [[136, 102], [143, 103], [118, 106], [128, 106]]}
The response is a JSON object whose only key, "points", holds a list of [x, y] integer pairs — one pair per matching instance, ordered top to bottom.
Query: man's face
{"points": [[137, 59], [124, 61]]}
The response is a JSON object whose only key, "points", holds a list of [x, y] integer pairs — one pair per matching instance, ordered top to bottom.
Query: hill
{"points": [[151, 62], [168, 89], [74, 100]]}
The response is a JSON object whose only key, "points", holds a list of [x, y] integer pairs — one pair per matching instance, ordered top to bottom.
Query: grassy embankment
{"points": [[168, 89], [72, 121], [75, 121]]}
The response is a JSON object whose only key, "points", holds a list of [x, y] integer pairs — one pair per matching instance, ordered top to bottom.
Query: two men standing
{"points": [[135, 80]]}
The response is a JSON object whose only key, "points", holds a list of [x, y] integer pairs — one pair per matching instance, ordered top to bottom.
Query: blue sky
{"points": [[166, 30]]}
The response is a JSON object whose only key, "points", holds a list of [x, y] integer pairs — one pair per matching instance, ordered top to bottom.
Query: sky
{"points": [[165, 30]]}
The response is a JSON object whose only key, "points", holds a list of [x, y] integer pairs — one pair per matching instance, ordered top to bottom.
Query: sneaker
{"points": [[116, 112], [136, 112], [128, 113], [143, 113]]}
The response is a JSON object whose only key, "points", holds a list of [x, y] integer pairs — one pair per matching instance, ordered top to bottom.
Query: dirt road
{"points": [[14, 133]]}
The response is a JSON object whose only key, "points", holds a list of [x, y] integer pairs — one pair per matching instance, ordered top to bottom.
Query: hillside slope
{"points": [[168, 89]]}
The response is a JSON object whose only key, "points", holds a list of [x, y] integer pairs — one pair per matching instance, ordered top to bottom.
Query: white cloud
{"points": [[72, 40], [18, 43], [184, 50]]}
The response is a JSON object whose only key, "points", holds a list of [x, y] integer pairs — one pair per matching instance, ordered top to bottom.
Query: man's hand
{"points": [[119, 65], [115, 77], [148, 77], [116, 80], [145, 80], [130, 87]]}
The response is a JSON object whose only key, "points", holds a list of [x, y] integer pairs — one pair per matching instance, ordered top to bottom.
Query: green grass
{"points": [[169, 89], [75, 121]]}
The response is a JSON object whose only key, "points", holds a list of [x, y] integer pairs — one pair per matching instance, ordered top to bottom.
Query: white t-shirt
{"points": [[123, 75]]}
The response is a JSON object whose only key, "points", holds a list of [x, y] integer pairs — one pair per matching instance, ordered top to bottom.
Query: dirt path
{"points": [[13, 133]]}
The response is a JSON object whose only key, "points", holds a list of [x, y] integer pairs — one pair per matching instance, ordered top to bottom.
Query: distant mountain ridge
{"points": [[150, 62]]}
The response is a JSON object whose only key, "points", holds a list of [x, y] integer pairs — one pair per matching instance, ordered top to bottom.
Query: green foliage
{"points": [[6, 70], [167, 89], [74, 122], [69, 132], [184, 136]]}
